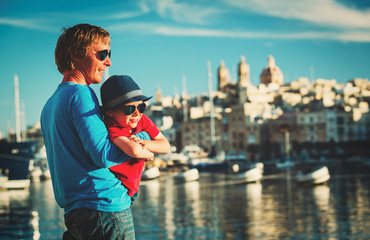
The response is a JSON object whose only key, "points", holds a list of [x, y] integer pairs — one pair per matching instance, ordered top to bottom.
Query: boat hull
{"points": [[15, 158], [150, 173], [251, 175], [187, 176], [318, 176]]}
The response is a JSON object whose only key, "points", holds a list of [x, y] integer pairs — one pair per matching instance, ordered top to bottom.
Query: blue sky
{"points": [[159, 42]]}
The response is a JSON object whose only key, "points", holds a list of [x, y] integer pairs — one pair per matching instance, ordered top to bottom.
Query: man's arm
{"points": [[92, 131]]}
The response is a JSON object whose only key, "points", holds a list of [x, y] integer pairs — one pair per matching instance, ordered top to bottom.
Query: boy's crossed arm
{"points": [[159, 144], [133, 148]]}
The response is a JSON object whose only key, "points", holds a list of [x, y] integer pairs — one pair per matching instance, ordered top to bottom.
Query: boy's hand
{"points": [[137, 140], [147, 159]]}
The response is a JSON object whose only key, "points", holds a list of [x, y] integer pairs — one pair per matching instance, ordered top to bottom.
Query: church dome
{"points": [[272, 73]]}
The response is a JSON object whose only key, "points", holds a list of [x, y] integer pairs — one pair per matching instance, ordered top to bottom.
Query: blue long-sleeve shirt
{"points": [[79, 152]]}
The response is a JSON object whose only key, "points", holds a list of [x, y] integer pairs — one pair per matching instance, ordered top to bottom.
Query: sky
{"points": [[159, 43]]}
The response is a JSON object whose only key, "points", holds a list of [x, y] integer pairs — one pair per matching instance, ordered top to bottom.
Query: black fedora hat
{"points": [[119, 90]]}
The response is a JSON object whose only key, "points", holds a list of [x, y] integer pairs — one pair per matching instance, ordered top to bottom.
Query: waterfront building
{"points": [[330, 125], [241, 126], [316, 126], [198, 132], [281, 133]]}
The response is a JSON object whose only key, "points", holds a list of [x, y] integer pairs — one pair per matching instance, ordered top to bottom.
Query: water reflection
{"points": [[151, 190], [191, 190], [321, 196], [212, 208], [254, 213], [17, 219], [51, 219]]}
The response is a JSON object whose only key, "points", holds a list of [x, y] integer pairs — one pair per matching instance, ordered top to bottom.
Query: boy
{"points": [[123, 108]]}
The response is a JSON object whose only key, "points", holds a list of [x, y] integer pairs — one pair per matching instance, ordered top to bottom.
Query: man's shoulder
{"points": [[73, 88]]}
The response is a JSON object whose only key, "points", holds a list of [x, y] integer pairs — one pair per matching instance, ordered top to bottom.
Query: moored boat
{"points": [[16, 155], [15, 158], [150, 173], [250, 175], [318, 175], [187, 176], [18, 184]]}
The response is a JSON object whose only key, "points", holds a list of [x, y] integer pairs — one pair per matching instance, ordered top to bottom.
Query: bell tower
{"points": [[243, 73], [223, 76]]}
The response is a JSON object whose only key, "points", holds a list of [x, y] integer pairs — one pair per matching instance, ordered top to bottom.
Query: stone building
{"points": [[243, 73], [272, 73], [223, 76], [198, 132]]}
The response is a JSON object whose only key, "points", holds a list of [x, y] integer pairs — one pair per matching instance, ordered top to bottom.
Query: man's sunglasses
{"points": [[102, 55], [130, 109]]}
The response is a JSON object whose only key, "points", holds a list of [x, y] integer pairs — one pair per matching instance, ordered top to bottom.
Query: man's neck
{"points": [[75, 76]]}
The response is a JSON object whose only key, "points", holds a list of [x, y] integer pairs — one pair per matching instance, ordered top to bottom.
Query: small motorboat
{"points": [[150, 173], [250, 175], [187, 176], [314, 176]]}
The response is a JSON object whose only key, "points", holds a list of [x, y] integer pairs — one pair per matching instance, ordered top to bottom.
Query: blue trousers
{"points": [[89, 224]]}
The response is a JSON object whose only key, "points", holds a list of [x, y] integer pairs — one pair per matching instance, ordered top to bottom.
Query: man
{"points": [[78, 149]]}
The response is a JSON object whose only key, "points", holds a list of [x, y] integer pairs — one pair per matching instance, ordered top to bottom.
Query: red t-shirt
{"points": [[130, 171]]}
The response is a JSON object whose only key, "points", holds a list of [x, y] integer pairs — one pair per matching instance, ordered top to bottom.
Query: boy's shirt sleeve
{"points": [[148, 126], [114, 130]]}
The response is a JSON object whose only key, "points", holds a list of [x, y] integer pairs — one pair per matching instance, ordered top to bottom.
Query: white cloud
{"points": [[184, 12], [321, 12], [125, 14], [184, 18], [38, 24], [161, 29]]}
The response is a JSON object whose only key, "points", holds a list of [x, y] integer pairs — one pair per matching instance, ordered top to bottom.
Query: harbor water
{"points": [[213, 208]]}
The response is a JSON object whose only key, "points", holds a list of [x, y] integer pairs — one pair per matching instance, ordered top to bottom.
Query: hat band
{"points": [[123, 98]]}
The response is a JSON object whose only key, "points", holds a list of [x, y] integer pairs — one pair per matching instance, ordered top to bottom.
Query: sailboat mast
{"points": [[184, 97], [17, 110], [212, 113]]}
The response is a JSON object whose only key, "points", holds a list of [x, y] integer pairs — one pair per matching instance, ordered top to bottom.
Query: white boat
{"points": [[150, 173], [250, 175], [187, 176], [312, 177], [18, 184]]}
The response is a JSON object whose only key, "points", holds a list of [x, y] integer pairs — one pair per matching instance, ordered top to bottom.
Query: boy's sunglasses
{"points": [[102, 55], [130, 109]]}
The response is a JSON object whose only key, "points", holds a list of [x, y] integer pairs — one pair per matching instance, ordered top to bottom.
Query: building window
{"points": [[340, 120]]}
